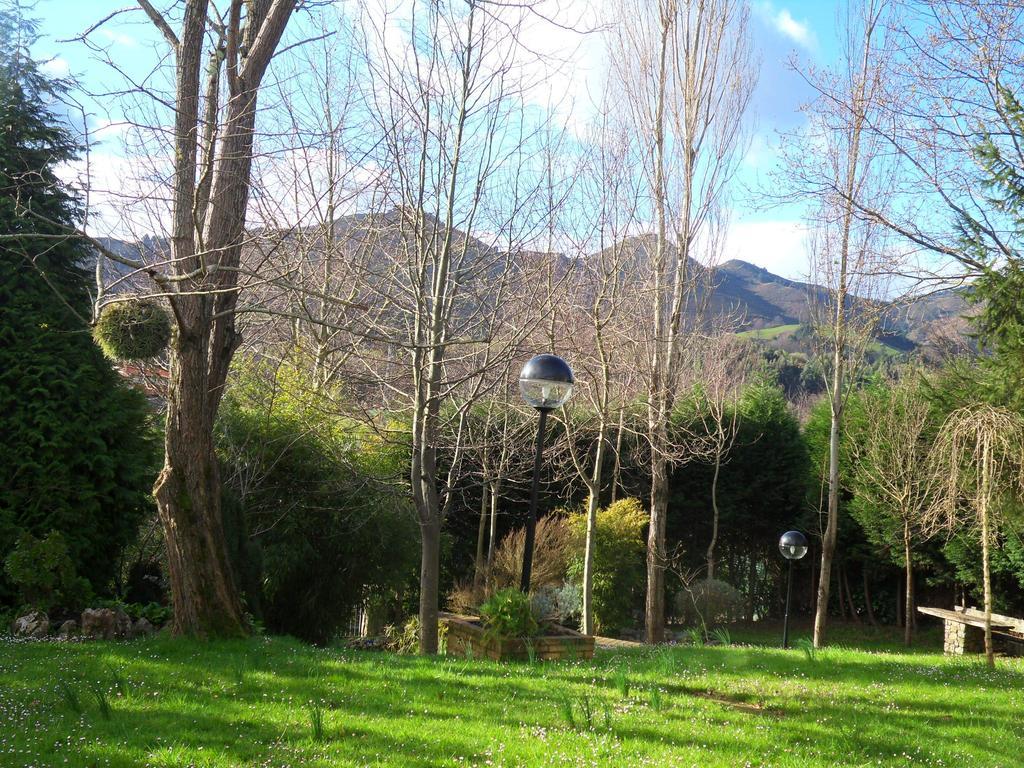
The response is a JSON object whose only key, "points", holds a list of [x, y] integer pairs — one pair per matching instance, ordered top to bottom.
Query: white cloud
{"points": [[783, 22], [796, 31], [119, 37], [56, 67], [761, 153], [125, 197], [778, 245]]}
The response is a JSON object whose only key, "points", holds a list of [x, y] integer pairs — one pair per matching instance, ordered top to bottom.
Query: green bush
{"points": [[136, 329], [324, 524], [619, 570], [44, 575], [710, 603], [508, 613]]}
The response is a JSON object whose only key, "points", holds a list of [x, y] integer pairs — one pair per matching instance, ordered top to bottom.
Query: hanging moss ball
{"points": [[137, 329]]}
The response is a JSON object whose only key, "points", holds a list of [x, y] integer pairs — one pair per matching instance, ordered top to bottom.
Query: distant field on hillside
{"points": [[767, 334]]}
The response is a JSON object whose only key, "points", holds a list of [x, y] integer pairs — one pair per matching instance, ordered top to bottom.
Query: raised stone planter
{"points": [[467, 638]]}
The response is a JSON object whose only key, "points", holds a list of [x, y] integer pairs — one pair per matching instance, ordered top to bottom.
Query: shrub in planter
{"points": [[137, 329], [560, 605], [508, 613]]}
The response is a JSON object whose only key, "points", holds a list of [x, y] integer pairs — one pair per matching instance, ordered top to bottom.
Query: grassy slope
{"points": [[767, 334], [246, 703]]}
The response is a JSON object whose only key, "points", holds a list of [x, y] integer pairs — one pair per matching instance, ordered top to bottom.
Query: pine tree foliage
{"points": [[75, 455]]}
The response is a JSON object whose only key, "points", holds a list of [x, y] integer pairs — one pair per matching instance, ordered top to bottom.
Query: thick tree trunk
{"points": [[187, 492], [430, 568], [204, 597], [655, 599]]}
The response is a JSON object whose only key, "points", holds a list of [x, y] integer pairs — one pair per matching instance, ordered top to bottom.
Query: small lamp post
{"points": [[545, 384], [793, 546]]}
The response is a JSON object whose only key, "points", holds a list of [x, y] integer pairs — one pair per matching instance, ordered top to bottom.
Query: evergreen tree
{"points": [[999, 325], [75, 456]]}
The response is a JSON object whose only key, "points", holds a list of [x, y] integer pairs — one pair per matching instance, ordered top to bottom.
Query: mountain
{"points": [[764, 299], [767, 305], [771, 306]]}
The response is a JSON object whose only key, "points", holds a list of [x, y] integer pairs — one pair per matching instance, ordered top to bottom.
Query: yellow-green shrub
{"points": [[619, 550]]}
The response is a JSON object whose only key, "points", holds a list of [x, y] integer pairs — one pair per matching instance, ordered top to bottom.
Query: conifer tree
{"points": [[75, 456]]}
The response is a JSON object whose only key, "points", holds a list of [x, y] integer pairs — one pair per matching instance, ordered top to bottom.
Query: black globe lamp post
{"points": [[545, 384], [793, 546]]}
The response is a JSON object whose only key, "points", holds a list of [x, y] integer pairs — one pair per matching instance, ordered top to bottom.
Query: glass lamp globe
{"points": [[546, 382], [793, 545]]}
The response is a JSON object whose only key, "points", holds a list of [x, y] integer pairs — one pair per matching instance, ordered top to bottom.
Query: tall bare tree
{"points": [[684, 72], [454, 152], [834, 162], [601, 303], [723, 370]]}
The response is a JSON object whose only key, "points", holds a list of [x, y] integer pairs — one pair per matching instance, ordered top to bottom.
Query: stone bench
{"points": [[964, 631]]}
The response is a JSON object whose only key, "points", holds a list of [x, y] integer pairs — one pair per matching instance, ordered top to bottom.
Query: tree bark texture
{"points": [[430, 568]]}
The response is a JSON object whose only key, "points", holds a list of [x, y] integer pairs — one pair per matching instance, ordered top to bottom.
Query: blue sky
{"points": [[772, 238]]}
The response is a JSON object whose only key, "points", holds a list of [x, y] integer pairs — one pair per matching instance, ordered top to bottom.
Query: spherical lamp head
{"points": [[546, 382], [793, 545]]}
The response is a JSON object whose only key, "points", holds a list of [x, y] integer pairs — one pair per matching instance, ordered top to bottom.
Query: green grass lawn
{"points": [[254, 703]]}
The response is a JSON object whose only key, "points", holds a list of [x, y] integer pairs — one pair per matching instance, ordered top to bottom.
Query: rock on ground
{"points": [[106, 624], [35, 625], [142, 628]]}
